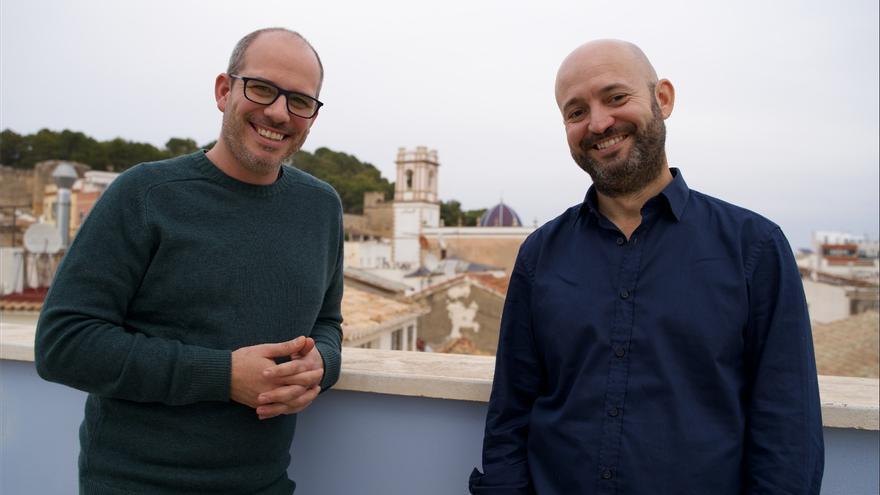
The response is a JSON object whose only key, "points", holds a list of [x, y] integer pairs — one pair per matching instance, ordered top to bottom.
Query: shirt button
{"points": [[620, 241], [624, 294], [619, 352], [613, 412], [607, 474]]}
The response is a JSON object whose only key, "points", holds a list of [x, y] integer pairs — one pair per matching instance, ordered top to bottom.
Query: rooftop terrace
{"points": [[396, 423]]}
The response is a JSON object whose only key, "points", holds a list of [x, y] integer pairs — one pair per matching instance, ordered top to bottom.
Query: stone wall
{"points": [[16, 186], [497, 252], [462, 309]]}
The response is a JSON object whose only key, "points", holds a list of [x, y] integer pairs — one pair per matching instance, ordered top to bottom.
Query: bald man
{"points": [[199, 305], [655, 340]]}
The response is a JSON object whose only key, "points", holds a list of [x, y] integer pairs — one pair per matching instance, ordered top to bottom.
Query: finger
{"points": [[307, 347], [282, 349], [290, 368], [306, 379], [286, 393], [271, 410], [267, 411]]}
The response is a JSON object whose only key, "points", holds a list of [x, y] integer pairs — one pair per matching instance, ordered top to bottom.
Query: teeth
{"points": [[269, 134], [610, 142]]}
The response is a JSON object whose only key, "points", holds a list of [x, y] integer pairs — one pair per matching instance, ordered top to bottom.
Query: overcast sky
{"points": [[776, 101]]}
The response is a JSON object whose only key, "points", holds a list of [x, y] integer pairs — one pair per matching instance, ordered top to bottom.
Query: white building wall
{"points": [[409, 220], [367, 254], [11, 270], [826, 302]]}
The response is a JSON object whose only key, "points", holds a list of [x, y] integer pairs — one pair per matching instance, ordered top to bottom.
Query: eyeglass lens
{"points": [[265, 94]]}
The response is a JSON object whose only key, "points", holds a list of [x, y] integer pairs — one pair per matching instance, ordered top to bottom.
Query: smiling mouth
{"points": [[268, 134], [609, 142]]}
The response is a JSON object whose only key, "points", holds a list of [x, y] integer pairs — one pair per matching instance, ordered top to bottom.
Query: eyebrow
{"points": [[272, 83], [614, 87], [604, 90]]}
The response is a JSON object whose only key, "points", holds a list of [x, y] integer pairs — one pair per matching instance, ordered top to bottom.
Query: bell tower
{"points": [[417, 175], [416, 202]]}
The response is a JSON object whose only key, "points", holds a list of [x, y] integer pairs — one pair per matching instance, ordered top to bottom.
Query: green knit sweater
{"points": [[176, 266]]}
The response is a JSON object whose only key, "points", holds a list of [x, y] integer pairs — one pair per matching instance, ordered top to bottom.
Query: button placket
{"points": [[615, 399]]}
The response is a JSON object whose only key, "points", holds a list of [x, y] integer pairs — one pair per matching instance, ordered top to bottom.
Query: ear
{"points": [[222, 87], [665, 95]]}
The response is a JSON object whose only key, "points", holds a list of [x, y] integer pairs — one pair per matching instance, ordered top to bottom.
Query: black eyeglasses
{"points": [[265, 93]]}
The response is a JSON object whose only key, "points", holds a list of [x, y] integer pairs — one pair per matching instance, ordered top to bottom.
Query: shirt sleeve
{"points": [[327, 330], [81, 340], [517, 383], [784, 452]]}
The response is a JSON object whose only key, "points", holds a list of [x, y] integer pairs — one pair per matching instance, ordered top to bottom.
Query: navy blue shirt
{"points": [[677, 362]]}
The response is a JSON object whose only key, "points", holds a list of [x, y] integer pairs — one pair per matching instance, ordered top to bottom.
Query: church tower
{"points": [[416, 202]]}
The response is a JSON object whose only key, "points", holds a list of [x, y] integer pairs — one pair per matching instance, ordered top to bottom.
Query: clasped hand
{"points": [[274, 389]]}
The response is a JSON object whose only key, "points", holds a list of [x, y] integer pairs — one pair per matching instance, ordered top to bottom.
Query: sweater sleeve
{"points": [[327, 330], [82, 339]]}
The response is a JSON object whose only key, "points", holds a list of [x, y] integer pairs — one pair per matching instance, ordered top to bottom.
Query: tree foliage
{"points": [[24, 151], [349, 176], [452, 214]]}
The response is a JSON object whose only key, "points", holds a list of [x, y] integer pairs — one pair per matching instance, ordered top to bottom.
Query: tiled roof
{"points": [[374, 280], [491, 282], [29, 300], [7, 305], [366, 313], [462, 345], [849, 347]]}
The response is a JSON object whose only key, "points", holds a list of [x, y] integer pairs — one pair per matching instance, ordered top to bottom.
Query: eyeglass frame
{"points": [[279, 92]]}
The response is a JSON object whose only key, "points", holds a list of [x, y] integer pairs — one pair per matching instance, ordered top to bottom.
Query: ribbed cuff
{"points": [[332, 362], [210, 376]]}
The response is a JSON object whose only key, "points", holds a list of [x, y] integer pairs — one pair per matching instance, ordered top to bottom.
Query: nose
{"points": [[277, 111], [600, 120]]}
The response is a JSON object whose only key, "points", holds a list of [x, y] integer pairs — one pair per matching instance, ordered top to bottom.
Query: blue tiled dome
{"points": [[500, 215]]}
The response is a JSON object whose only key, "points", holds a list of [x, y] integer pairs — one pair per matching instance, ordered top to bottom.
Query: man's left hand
{"points": [[298, 383]]}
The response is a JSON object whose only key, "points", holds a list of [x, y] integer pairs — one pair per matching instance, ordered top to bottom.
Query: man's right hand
{"points": [[248, 364]]}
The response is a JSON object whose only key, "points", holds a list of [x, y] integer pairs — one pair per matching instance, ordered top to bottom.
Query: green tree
{"points": [[180, 146], [12, 148], [349, 176], [452, 214]]}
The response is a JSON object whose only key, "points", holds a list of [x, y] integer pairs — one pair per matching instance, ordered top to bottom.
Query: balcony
{"points": [[396, 423]]}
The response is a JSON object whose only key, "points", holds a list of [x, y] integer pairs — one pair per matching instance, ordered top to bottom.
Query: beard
{"points": [[233, 135], [629, 174]]}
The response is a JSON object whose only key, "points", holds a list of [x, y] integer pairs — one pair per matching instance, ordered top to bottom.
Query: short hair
{"points": [[236, 60]]}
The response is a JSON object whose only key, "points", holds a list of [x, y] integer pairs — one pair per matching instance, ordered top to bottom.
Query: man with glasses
{"points": [[199, 305], [655, 340]]}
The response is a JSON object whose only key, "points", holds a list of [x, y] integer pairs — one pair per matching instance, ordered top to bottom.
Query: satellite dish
{"points": [[42, 238], [431, 262]]}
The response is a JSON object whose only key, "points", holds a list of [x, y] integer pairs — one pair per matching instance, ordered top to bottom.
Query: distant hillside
{"points": [[24, 151], [348, 175]]}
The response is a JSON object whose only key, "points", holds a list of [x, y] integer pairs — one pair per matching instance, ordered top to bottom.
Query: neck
{"points": [[223, 159], [625, 211]]}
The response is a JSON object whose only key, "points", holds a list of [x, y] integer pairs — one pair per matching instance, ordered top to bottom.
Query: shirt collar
{"points": [[676, 194]]}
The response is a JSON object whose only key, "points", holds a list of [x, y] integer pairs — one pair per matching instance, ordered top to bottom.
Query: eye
{"points": [[261, 89], [618, 99], [299, 102], [575, 115]]}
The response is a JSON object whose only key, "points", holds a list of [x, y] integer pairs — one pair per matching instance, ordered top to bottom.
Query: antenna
{"points": [[42, 238]]}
